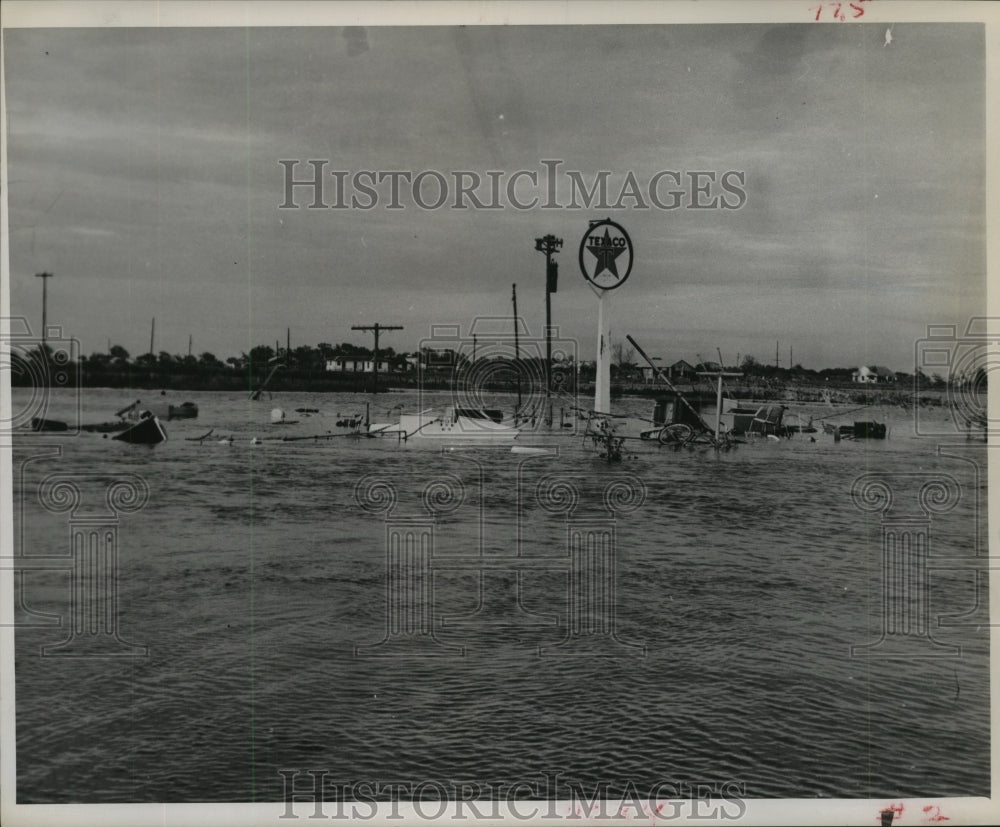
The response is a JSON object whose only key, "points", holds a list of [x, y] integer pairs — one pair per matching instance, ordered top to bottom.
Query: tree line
{"points": [[309, 365]]}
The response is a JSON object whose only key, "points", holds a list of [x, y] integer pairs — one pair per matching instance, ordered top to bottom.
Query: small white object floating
{"points": [[278, 418], [228, 440], [256, 441], [524, 449]]}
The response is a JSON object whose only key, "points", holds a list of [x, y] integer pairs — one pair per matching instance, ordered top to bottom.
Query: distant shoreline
{"points": [[833, 393]]}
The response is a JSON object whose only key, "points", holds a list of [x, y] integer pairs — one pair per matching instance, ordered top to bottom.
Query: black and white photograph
{"points": [[506, 413]]}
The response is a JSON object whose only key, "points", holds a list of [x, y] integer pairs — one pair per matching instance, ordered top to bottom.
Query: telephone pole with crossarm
{"points": [[548, 245], [45, 302], [376, 329]]}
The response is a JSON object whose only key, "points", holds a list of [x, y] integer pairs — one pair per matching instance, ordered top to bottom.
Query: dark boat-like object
{"points": [[187, 410], [41, 424], [106, 427], [861, 430], [147, 431]]}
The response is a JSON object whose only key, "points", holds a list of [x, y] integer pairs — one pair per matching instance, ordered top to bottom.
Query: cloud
{"points": [[150, 157]]}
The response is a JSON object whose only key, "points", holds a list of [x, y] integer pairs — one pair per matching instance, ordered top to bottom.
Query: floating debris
{"points": [[187, 410], [278, 418], [40, 424], [860, 430], [147, 431]]}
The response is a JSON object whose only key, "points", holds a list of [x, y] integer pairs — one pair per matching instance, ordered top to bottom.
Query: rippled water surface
{"points": [[252, 574]]}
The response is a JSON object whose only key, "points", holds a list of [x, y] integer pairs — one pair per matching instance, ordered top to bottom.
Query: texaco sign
{"points": [[606, 254]]}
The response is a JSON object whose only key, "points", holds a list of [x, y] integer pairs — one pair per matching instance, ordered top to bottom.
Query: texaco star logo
{"points": [[606, 254]]}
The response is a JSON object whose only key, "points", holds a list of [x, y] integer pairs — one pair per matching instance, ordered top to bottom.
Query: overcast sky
{"points": [[144, 173]]}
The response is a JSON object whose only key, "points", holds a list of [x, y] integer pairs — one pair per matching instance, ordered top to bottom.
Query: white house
{"points": [[350, 364], [871, 374]]}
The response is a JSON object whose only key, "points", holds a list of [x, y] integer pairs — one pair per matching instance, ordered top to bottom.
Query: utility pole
{"points": [[549, 244], [45, 302], [376, 329], [152, 334], [190, 340], [475, 344], [517, 352], [777, 359], [719, 375]]}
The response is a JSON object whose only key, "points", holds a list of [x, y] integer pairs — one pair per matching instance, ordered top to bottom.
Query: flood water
{"points": [[723, 650]]}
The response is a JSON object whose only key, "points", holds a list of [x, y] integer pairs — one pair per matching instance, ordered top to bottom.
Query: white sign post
{"points": [[605, 260], [602, 379]]}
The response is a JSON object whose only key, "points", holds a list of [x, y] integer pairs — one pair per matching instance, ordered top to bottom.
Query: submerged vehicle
{"points": [[769, 419], [676, 421], [454, 424]]}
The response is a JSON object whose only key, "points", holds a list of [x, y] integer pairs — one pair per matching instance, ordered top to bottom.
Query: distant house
{"points": [[350, 364], [678, 370], [681, 370], [872, 374]]}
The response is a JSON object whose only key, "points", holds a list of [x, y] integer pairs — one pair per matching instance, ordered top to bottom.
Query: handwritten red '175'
{"points": [[839, 11]]}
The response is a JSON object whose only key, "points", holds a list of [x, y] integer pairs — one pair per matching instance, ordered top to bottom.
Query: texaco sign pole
{"points": [[605, 261], [602, 379]]}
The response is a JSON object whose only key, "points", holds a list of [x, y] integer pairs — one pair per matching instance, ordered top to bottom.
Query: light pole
{"points": [[549, 244]]}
